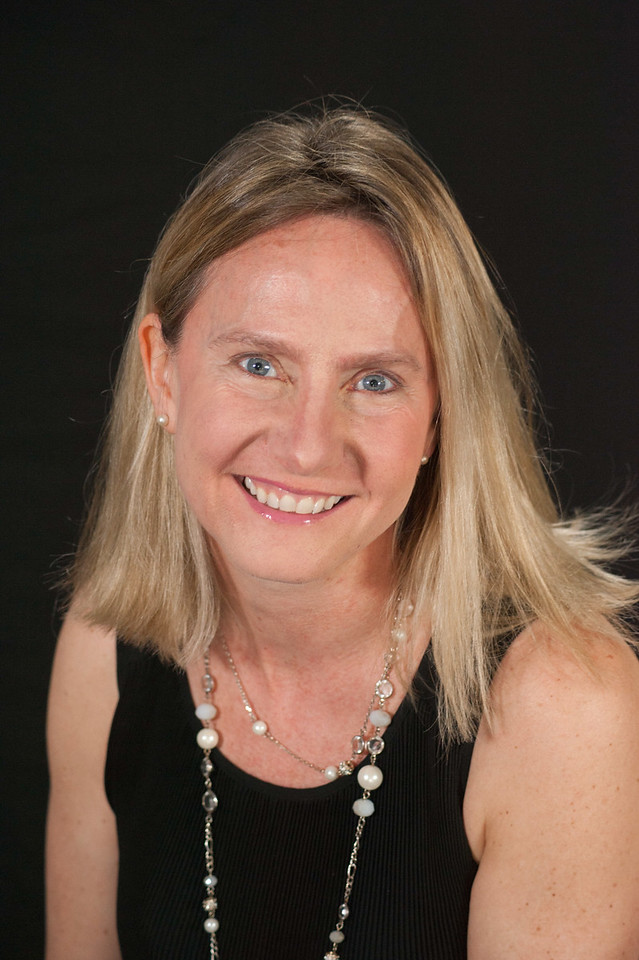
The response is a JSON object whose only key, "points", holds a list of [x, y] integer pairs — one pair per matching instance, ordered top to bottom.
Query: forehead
{"points": [[314, 258]]}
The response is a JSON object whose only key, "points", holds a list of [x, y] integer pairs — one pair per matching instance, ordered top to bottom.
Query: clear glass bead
{"points": [[385, 688], [375, 746], [209, 801], [343, 912]]}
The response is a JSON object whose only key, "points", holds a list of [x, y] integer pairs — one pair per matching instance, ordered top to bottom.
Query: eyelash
{"points": [[247, 358]]}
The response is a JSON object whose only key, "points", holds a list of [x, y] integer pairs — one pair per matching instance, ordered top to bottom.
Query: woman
{"points": [[320, 497]]}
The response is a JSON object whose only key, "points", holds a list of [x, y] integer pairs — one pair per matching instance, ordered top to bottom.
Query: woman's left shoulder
{"points": [[542, 676], [552, 800]]}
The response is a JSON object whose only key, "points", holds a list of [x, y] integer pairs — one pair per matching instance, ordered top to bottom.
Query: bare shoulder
{"points": [[541, 679], [551, 805], [81, 834]]}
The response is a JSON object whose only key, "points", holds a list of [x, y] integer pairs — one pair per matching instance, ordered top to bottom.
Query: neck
{"points": [[292, 626]]}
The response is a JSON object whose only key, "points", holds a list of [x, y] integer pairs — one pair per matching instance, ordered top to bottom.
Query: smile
{"points": [[288, 502]]}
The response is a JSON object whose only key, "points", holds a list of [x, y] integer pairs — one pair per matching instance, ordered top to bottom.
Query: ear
{"points": [[159, 370]]}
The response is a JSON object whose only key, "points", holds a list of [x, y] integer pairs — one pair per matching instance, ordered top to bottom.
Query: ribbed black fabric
{"points": [[281, 853]]}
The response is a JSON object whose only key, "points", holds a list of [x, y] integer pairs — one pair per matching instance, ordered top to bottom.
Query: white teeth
{"points": [[288, 503]]}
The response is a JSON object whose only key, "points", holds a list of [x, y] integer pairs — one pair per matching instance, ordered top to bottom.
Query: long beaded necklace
{"points": [[369, 777]]}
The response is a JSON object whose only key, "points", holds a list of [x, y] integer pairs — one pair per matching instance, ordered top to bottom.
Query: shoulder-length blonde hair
{"points": [[480, 549]]}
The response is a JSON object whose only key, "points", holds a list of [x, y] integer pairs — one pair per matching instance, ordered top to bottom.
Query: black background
{"points": [[528, 108]]}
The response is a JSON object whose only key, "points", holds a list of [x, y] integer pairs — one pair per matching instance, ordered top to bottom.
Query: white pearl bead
{"points": [[205, 711], [379, 718], [259, 728], [208, 738], [330, 773], [369, 777], [363, 808], [211, 925]]}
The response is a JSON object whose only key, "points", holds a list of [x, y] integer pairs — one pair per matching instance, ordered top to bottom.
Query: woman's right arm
{"points": [[81, 848]]}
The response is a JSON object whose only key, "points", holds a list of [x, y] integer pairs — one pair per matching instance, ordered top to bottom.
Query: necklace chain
{"points": [[383, 689], [369, 777]]}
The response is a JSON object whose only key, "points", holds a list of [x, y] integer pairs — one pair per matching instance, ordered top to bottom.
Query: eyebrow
{"points": [[352, 361]]}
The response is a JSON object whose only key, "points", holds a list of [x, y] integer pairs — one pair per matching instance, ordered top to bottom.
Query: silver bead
{"points": [[206, 767], [209, 904], [343, 912]]}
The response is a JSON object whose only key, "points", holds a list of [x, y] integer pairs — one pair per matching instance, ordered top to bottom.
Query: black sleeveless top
{"points": [[281, 853]]}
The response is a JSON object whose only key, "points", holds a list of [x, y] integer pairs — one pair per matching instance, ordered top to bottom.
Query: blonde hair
{"points": [[480, 548]]}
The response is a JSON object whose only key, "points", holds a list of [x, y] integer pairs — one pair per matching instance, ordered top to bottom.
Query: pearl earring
{"points": [[162, 420], [425, 460]]}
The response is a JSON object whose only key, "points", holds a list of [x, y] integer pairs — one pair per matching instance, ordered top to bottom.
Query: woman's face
{"points": [[301, 397]]}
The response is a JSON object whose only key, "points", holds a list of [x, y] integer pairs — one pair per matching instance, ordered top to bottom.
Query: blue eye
{"points": [[258, 366], [375, 383]]}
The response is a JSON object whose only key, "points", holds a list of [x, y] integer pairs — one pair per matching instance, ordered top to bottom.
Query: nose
{"points": [[309, 435]]}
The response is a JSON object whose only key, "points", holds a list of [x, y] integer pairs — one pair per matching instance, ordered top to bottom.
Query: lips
{"points": [[289, 502]]}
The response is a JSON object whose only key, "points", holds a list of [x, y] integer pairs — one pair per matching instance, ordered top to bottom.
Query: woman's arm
{"points": [[556, 788], [82, 850]]}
